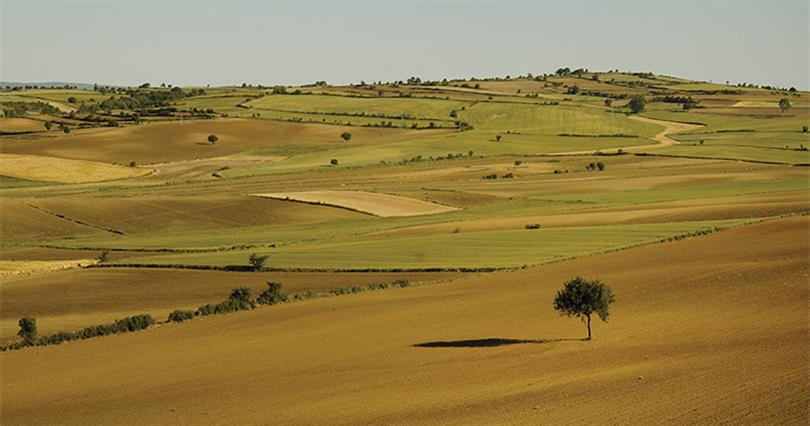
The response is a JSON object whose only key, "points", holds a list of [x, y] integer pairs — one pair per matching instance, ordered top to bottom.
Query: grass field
{"points": [[697, 219]]}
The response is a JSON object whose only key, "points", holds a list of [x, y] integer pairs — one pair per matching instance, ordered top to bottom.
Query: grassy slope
{"points": [[703, 331]]}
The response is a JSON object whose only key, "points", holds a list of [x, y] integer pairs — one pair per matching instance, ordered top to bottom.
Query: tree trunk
{"points": [[589, 327]]}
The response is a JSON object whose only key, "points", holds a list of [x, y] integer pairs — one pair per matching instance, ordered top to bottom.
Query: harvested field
{"points": [[60, 170], [383, 205]]}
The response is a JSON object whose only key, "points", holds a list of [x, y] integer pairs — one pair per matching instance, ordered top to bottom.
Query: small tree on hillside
{"points": [[608, 102], [637, 103], [784, 104], [48, 125], [66, 129], [346, 136], [213, 139], [333, 162], [257, 262], [582, 298], [28, 329]]}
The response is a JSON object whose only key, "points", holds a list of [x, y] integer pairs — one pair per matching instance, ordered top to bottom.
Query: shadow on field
{"points": [[490, 342]]}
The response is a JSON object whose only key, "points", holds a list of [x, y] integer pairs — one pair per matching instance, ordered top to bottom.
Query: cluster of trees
{"points": [[134, 99], [18, 109], [595, 166]]}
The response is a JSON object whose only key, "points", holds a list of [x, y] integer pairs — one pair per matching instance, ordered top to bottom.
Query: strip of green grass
{"points": [[508, 248]]}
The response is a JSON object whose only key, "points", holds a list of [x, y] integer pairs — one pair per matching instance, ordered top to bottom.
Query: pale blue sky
{"points": [[266, 42]]}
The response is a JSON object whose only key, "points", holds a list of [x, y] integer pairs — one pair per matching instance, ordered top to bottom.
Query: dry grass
{"points": [[60, 170], [706, 330]]}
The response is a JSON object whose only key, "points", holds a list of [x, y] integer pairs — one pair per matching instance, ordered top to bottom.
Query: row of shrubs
{"points": [[240, 299], [28, 331]]}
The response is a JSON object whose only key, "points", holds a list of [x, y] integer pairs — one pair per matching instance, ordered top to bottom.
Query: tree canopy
{"points": [[582, 298]]}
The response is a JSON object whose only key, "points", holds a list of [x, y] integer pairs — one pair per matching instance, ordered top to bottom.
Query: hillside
{"points": [[705, 330]]}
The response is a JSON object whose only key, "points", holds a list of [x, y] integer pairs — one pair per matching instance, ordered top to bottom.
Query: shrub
{"points": [[637, 103], [804, 129], [346, 136], [213, 139], [333, 162], [133, 164], [600, 166], [491, 176], [532, 226], [104, 256], [257, 262], [401, 282], [272, 295], [239, 300], [180, 315], [28, 329]]}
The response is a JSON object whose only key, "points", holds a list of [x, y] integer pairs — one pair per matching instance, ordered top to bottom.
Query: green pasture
{"points": [[432, 109], [509, 248]]}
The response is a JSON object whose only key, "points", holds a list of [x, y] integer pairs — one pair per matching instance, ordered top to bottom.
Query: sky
{"points": [[291, 43]]}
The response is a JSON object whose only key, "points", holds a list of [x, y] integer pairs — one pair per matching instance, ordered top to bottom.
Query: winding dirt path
{"points": [[661, 137]]}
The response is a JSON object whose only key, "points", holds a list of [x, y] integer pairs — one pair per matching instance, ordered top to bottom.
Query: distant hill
{"points": [[48, 84]]}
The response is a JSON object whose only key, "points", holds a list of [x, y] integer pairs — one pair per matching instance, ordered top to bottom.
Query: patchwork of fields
{"points": [[481, 196]]}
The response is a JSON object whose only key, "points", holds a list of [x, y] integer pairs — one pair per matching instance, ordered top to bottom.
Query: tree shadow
{"points": [[490, 342]]}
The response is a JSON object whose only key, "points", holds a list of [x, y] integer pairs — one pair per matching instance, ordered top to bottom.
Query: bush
{"points": [[637, 103], [804, 129], [213, 139], [333, 162], [600, 166], [532, 226], [257, 262], [402, 282], [272, 295], [239, 300], [180, 316], [28, 329]]}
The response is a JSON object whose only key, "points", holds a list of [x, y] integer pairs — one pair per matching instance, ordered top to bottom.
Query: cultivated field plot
{"points": [[50, 169], [383, 205]]}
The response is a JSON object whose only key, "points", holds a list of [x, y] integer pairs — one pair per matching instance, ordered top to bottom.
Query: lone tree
{"points": [[608, 102], [637, 103], [784, 104], [48, 125], [346, 136], [213, 139], [333, 162], [257, 262], [582, 298], [28, 329]]}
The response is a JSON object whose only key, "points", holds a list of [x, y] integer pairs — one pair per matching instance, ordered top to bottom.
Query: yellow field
{"points": [[50, 169], [383, 205], [721, 340]]}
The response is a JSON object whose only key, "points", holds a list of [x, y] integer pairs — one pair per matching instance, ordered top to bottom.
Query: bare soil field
{"points": [[383, 205], [707, 330]]}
